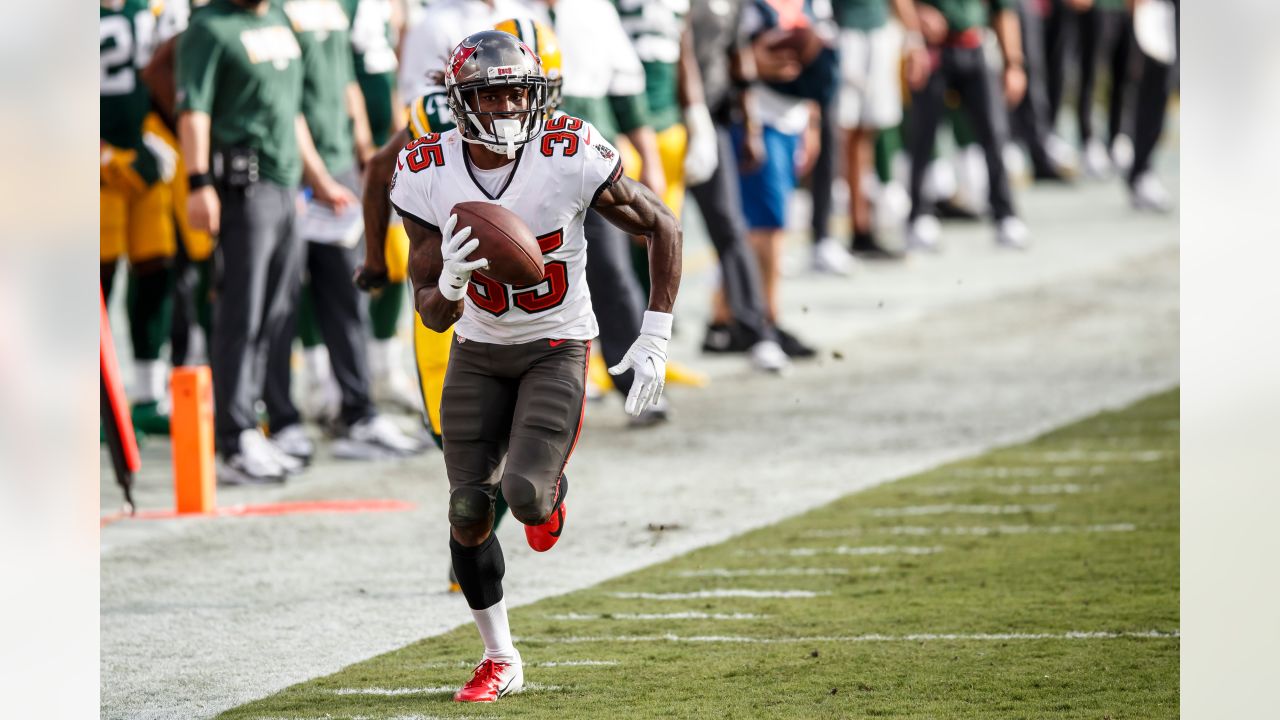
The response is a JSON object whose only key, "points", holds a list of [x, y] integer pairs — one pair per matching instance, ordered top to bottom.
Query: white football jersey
{"points": [[555, 178]]}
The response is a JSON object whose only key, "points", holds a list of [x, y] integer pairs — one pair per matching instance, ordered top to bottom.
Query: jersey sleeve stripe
{"points": [[608, 183], [410, 216]]}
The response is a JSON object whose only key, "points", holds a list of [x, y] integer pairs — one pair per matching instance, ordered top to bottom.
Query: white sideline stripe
{"points": [[1099, 455], [1030, 471], [1047, 489], [913, 510], [975, 530], [846, 550], [759, 572], [708, 594], [660, 616], [917, 637], [548, 664], [437, 690]]}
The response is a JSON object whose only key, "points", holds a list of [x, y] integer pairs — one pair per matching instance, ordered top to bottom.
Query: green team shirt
{"points": [[1110, 5], [861, 14], [964, 14], [655, 27], [324, 33], [127, 34], [373, 52], [245, 72]]}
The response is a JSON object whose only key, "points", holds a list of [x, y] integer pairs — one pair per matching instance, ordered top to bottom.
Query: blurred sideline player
{"points": [[375, 24], [687, 144], [138, 165], [515, 387]]}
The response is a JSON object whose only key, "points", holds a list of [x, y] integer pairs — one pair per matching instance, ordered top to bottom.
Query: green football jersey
{"points": [[861, 14], [655, 27], [324, 33], [127, 38], [374, 55], [245, 71]]}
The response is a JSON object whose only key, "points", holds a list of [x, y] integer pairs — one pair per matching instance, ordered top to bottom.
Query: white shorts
{"points": [[870, 78]]}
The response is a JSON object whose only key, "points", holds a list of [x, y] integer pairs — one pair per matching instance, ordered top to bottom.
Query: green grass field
{"points": [[1035, 581]]}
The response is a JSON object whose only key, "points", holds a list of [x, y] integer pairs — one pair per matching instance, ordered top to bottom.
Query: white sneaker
{"points": [[1122, 153], [1061, 154], [1015, 163], [1097, 163], [939, 181], [1147, 193], [893, 205], [1012, 233], [923, 234], [830, 257], [767, 356], [375, 438], [295, 445], [254, 464]]}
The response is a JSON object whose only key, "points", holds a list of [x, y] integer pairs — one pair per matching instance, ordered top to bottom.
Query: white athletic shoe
{"points": [[1122, 153], [1061, 154], [1015, 163], [1097, 163], [1147, 193], [892, 205], [1012, 233], [923, 234], [830, 257], [768, 356], [375, 438], [293, 448], [254, 464]]}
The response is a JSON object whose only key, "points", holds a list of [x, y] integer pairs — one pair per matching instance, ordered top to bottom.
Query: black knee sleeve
{"points": [[150, 310], [468, 507], [479, 571]]}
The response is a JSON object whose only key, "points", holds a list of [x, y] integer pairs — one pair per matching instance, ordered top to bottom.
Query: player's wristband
{"points": [[195, 181], [657, 324]]}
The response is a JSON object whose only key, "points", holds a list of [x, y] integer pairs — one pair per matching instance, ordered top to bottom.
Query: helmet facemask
{"points": [[488, 60]]}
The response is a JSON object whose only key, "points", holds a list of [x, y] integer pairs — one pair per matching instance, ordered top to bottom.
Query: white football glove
{"points": [[702, 154], [457, 269], [648, 358]]}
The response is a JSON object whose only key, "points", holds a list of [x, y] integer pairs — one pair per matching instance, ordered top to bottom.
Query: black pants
{"points": [[1060, 33], [1105, 39], [965, 71], [1032, 120], [823, 176], [720, 202], [258, 274], [616, 295], [339, 312]]}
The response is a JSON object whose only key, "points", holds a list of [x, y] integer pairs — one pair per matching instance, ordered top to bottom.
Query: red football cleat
{"points": [[543, 537], [491, 681]]}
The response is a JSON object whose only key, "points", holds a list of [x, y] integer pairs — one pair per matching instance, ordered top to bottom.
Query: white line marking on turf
{"points": [[1099, 456], [1030, 471], [1047, 489], [914, 510], [974, 530], [846, 550], [760, 572], [708, 594], [660, 616], [916, 637], [548, 664], [437, 690]]}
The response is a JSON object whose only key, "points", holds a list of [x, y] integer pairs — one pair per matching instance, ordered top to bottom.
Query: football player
{"points": [[137, 167], [515, 386]]}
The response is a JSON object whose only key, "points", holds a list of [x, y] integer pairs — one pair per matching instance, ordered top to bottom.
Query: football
{"points": [[513, 252]]}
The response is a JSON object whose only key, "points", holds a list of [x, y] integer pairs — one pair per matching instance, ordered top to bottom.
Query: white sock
{"points": [[316, 361], [149, 379], [496, 633]]}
